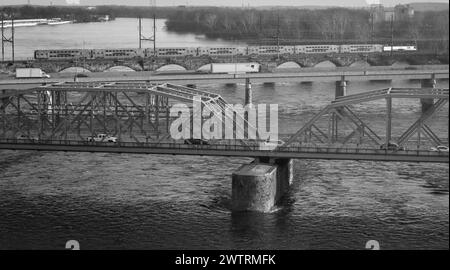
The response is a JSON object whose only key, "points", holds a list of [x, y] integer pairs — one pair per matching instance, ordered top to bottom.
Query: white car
{"points": [[27, 138], [102, 138], [270, 145], [440, 148]]}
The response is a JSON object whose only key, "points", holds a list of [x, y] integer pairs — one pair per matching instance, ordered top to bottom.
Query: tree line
{"points": [[83, 14], [269, 26], [289, 26]]}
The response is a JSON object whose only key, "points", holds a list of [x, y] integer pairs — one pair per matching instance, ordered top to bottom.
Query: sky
{"points": [[348, 3]]}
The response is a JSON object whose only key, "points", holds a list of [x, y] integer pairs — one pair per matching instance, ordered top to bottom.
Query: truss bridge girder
{"points": [[134, 111], [341, 124]]}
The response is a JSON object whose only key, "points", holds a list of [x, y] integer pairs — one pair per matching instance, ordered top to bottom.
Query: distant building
{"points": [[403, 12], [379, 13], [389, 14]]}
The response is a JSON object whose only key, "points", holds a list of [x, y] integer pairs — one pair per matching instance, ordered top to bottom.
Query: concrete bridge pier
{"points": [[341, 88], [248, 92], [427, 103], [260, 185]]}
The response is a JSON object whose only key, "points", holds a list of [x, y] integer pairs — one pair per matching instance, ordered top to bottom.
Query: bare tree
{"points": [[211, 20]]}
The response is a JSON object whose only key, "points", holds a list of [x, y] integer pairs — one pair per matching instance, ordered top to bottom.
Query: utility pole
{"points": [[372, 27], [260, 29], [140, 32], [154, 32], [3, 34], [278, 34], [392, 34], [143, 38], [153, 38], [6, 39]]}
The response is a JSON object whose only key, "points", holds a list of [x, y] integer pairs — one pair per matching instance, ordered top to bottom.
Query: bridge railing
{"points": [[253, 150]]}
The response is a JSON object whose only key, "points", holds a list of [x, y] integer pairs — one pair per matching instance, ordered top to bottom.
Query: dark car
{"points": [[81, 75], [196, 142], [392, 146]]}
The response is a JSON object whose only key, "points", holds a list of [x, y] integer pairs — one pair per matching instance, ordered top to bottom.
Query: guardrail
{"points": [[253, 149]]}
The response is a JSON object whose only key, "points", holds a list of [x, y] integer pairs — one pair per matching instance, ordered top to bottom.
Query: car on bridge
{"points": [[23, 137], [102, 138], [270, 145], [392, 147], [440, 148]]}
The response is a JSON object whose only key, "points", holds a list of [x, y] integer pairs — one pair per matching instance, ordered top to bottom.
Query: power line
{"points": [[152, 4]]}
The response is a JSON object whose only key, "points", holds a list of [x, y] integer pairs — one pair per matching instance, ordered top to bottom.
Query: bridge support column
{"points": [[341, 88], [248, 92], [427, 103], [259, 186]]}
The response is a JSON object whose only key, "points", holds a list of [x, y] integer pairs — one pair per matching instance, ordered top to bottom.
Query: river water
{"points": [[120, 33], [122, 201]]}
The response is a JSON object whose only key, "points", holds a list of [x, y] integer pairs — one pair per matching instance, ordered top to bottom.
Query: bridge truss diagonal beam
{"points": [[139, 111], [338, 124]]}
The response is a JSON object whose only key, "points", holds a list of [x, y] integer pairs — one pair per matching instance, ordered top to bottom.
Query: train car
{"points": [[361, 48], [400, 48], [300, 49], [310, 49], [241, 50], [252, 50], [270, 50], [219, 51], [149, 52], [176, 52], [119, 53], [41, 54], [66, 54], [73, 54], [97, 54]]}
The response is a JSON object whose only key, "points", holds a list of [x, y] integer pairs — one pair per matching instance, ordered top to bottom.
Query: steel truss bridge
{"points": [[61, 116]]}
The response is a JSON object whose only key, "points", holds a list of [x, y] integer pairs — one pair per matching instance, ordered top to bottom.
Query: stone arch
{"points": [[325, 64], [360, 64], [289, 65], [171, 67], [206, 67], [120, 69], [75, 70]]}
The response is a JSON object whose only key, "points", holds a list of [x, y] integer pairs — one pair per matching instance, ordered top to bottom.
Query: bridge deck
{"points": [[283, 77], [294, 152]]}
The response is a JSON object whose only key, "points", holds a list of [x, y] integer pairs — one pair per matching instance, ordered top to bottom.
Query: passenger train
{"points": [[73, 54]]}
